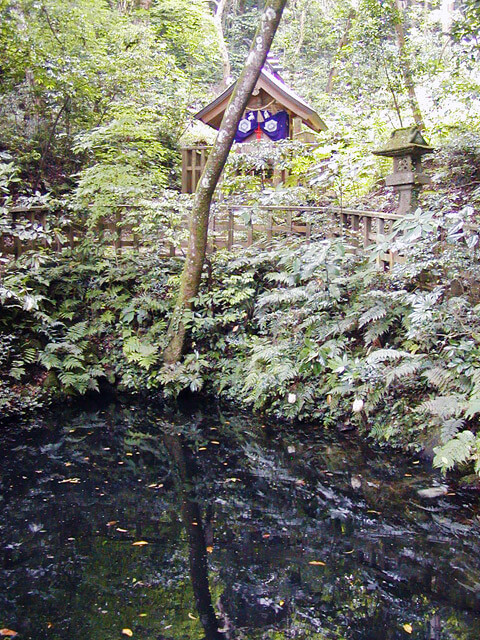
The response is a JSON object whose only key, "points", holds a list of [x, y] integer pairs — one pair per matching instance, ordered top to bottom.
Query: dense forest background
{"points": [[96, 100]]}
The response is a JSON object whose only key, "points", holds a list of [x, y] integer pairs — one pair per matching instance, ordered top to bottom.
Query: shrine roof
{"points": [[274, 86]]}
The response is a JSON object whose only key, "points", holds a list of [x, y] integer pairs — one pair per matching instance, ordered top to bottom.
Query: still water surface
{"points": [[129, 523]]}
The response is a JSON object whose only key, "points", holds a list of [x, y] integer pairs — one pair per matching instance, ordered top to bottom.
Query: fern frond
{"points": [[372, 314], [378, 329], [384, 355], [403, 371], [439, 377], [443, 406], [450, 427], [455, 451]]}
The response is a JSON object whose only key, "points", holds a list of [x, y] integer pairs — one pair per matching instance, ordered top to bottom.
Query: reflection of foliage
{"points": [[105, 480]]}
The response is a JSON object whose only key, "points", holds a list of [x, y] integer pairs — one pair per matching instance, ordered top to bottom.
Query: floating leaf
{"points": [[139, 543], [209, 549], [317, 563], [191, 616], [408, 627], [8, 632], [127, 632]]}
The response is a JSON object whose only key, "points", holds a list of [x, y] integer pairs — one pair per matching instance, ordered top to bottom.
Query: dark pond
{"points": [[126, 523]]}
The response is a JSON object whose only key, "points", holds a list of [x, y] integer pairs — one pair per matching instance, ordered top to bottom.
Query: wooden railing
{"points": [[36, 226], [231, 227], [234, 227]]}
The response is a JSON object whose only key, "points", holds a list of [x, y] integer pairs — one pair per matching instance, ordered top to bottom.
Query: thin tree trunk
{"points": [[218, 21], [301, 35], [342, 43], [405, 66], [392, 91], [197, 244]]}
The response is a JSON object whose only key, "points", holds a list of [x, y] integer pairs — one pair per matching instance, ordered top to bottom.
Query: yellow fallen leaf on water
{"points": [[202, 448], [111, 523], [122, 530], [139, 543], [209, 549], [347, 552], [318, 563], [281, 603], [142, 615], [192, 617], [408, 628], [8, 632], [127, 632]]}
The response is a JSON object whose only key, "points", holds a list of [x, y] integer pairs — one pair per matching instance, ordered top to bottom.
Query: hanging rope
{"points": [[262, 108]]}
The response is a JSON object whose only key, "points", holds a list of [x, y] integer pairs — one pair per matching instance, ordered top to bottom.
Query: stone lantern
{"points": [[406, 146]]}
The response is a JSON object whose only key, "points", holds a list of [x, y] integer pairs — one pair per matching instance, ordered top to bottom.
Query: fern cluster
{"points": [[301, 332]]}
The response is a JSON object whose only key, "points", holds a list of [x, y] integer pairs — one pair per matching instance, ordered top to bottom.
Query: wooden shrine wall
{"points": [[194, 160]]}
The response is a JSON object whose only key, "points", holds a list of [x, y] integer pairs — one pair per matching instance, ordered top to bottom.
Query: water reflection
{"points": [[106, 522], [197, 545]]}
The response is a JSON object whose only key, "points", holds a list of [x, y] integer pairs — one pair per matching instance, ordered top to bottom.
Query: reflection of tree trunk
{"points": [[218, 21], [342, 43], [405, 66], [198, 228], [192, 521]]}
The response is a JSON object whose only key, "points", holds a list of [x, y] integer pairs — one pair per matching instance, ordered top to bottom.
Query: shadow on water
{"points": [[130, 523]]}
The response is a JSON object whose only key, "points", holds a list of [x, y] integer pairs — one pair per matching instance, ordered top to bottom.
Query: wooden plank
{"points": [[184, 170], [367, 231]]}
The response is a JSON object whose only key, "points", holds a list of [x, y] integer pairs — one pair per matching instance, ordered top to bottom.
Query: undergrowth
{"points": [[312, 333]]}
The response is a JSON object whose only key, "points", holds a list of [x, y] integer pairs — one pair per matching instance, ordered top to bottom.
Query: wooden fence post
{"points": [[269, 228], [231, 230], [367, 230], [308, 232]]}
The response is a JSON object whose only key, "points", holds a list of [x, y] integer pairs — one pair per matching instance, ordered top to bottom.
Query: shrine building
{"points": [[274, 112]]}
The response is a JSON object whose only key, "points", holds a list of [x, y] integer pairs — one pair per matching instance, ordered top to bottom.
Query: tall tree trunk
{"points": [[218, 21], [342, 43], [405, 66], [197, 244]]}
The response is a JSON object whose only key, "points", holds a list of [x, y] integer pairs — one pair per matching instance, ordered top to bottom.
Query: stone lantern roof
{"points": [[404, 142]]}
